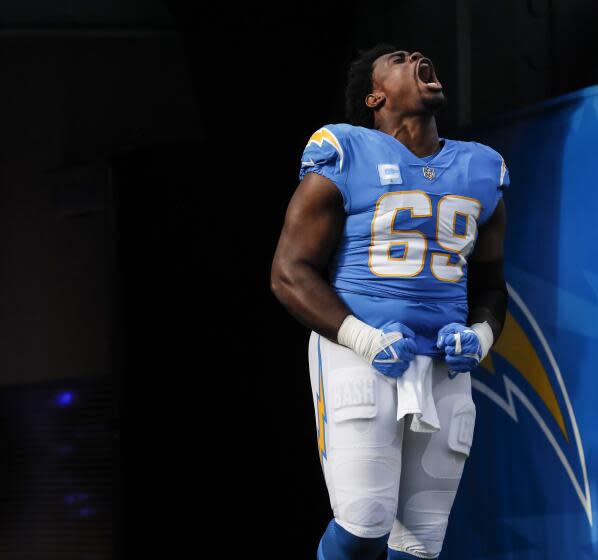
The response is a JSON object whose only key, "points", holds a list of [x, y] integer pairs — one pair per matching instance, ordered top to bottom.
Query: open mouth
{"points": [[427, 75]]}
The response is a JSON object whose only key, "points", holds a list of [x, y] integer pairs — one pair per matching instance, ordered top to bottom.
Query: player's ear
{"points": [[375, 100]]}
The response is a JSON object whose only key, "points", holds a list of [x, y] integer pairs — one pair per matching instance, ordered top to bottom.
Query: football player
{"points": [[409, 227]]}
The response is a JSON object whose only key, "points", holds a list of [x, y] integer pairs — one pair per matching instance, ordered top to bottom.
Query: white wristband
{"points": [[486, 336], [364, 339]]}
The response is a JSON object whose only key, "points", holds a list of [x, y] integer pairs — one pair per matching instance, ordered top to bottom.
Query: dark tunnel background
{"points": [[153, 393]]}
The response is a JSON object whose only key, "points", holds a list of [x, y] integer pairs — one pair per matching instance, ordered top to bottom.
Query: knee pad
{"points": [[367, 516], [422, 529], [339, 544]]}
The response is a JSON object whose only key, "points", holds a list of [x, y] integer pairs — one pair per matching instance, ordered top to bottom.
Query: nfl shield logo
{"points": [[429, 172]]}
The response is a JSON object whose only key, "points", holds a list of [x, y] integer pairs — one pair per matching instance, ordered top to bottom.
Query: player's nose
{"points": [[415, 56]]}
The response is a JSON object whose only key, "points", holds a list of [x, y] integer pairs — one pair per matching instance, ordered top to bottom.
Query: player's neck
{"points": [[416, 132]]}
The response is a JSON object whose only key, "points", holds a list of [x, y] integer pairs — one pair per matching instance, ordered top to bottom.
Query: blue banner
{"points": [[529, 487]]}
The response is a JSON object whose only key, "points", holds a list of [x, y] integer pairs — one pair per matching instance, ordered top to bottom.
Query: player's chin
{"points": [[433, 101]]}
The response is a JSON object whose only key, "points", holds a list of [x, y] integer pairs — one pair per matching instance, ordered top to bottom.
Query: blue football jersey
{"points": [[411, 224]]}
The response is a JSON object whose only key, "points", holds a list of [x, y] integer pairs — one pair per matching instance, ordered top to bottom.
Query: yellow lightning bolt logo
{"points": [[325, 135], [515, 347], [321, 406]]}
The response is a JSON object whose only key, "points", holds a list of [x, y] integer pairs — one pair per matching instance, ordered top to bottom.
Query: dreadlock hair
{"points": [[359, 85]]}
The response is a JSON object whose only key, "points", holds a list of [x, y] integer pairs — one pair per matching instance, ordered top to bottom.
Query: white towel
{"points": [[414, 395]]}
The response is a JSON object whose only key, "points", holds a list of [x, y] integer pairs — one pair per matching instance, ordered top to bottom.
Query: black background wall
{"points": [[266, 80], [148, 152]]}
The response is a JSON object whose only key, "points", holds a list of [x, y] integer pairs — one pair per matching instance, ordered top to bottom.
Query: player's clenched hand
{"points": [[462, 346], [389, 349], [397, 349]]}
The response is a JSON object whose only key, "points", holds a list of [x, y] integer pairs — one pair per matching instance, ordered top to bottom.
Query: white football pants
{"points": [[381, 476]]}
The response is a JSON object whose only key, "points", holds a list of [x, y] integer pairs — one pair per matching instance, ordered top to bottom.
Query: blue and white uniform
{"points": [[411, 224]]}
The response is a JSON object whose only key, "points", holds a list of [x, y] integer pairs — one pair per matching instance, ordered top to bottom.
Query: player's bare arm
{"points": [[312, 227], [486, 287]]}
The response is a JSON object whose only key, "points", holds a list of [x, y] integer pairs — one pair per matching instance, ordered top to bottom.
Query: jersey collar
{"points": [[441, 160]]}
